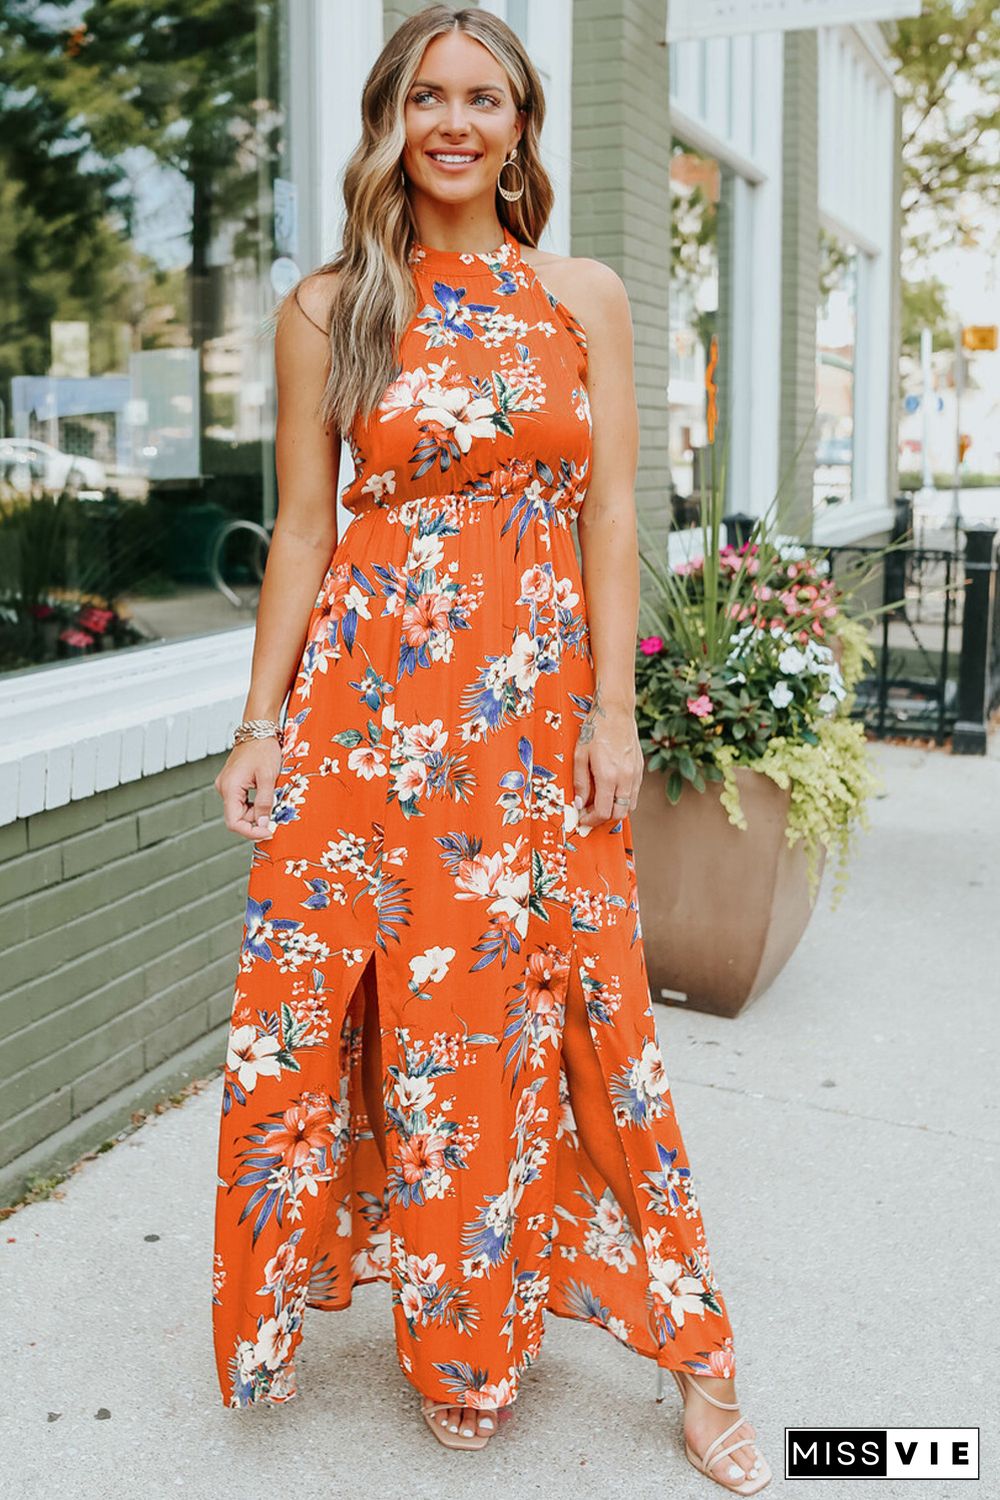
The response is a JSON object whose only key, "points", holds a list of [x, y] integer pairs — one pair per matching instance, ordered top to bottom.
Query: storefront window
{"points": [[701, 198], [147, 224], [836, 340]]}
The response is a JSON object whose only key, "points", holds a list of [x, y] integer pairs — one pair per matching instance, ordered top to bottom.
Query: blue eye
{"points": [[427, 94]]}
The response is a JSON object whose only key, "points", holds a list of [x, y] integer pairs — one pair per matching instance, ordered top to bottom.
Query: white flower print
{"points": [[467, 416], [378, 485], [425, 552], [524, 657], [367, 761], [431, 965], [251, 1056], [652, 1072], [414, 1093], [681, 1293], [273, 1342]]}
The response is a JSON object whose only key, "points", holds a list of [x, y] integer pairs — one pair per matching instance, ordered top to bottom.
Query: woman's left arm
{"points": [[608, 760]]}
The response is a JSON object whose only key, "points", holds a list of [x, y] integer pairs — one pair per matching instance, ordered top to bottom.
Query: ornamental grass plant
{"points": [[750, 658]]}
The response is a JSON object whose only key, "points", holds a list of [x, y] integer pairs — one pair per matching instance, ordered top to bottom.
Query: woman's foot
{"points": [[461, 1422], [703, 1423]]}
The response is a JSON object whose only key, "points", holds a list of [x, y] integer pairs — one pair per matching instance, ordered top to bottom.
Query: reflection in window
{"points": [[142, 155], [700, 200], [836, 337]]}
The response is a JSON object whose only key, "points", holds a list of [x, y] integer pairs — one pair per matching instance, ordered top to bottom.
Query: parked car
{"points": [[26, 461]]}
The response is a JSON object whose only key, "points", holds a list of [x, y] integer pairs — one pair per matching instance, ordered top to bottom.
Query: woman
{"points": [[443, 1070]]}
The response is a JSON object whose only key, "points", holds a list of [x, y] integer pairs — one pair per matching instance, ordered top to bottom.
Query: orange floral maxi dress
{"points": [[424, 818]]}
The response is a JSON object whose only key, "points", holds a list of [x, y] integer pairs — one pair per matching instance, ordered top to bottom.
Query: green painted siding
{"points": [[122, 917]]}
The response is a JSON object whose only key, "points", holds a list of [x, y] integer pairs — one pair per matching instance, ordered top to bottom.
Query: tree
{"points": [[948, 60], [86, 92], [925, 305]]}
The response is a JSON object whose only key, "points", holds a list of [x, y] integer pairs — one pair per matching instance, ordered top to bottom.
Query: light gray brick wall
{"points": [[621, 199], [799, 282], [122, 918]]}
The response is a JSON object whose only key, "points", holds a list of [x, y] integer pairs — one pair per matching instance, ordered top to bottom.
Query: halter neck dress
{"points": [[424, 818]]}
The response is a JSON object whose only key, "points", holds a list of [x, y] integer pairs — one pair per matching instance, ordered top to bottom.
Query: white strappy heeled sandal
{"points": [[741, 1482]]}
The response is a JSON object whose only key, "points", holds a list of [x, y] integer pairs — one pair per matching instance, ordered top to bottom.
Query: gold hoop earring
{"points": [[511, 161]]}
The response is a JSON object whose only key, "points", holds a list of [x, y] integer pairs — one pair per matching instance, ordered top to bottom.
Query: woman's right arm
{"points": [[307, 460]]}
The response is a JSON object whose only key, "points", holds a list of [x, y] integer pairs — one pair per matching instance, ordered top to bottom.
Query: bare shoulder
{"points": [[593, 291], [314, 294]]}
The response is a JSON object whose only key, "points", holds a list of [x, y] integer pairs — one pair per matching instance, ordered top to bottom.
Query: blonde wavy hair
{"points": [[375, 295]]}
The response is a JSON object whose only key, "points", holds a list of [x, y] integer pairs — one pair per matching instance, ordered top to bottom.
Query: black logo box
{"points": [[857, 1453]]}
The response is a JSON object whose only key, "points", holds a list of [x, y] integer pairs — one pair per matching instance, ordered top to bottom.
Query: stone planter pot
{"points": [[722, 908]]}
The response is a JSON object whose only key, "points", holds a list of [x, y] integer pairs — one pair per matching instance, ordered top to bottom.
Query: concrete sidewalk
{"points": [[845, 1136]]}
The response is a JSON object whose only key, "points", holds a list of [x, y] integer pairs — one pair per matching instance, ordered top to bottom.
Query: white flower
{"points": [[467, 417], [380, 484], [425, 552], [357, 600], [523, 660], [792, 661], [781, 695], [827, 703], [367, 761], [512, 901], [431, 965], [251, 1056], [651, 1070], [415, 1093], [609, 1217], [425, 1270], [680, 1292], [411, 1301], [273, 1342]]}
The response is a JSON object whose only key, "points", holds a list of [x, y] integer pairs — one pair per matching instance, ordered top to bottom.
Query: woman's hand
{"points": [[609, 756], [254, 763]]}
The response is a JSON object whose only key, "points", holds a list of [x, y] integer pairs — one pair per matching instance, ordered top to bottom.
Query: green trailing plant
{"points": [[829, 782]]}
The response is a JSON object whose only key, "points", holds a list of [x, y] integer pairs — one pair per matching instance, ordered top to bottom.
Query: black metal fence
{"points": [[936, 630]]}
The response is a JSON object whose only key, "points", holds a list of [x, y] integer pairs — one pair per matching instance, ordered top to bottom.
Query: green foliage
{"points": [[947, 76], [90, 95], [834, 259], [925, 305], [829, 781]]}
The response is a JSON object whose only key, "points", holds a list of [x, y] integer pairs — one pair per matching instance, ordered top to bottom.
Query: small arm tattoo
{"points": [[587, 729]]}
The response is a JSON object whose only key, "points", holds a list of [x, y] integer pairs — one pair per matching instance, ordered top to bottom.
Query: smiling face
{"points": [[461, 121]]}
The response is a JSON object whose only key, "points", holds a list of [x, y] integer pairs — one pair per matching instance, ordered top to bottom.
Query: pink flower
{"points": [[651, 644], [701, 706]]}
